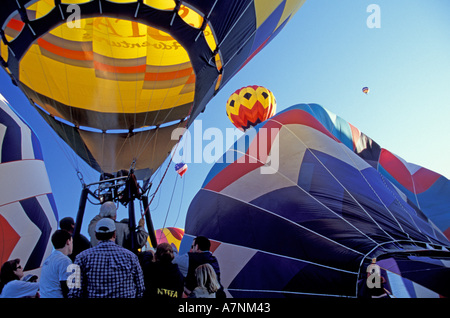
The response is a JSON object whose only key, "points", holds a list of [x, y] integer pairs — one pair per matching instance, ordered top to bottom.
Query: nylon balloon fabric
{"points": [[115, 78], [297, 208], [28, 214], [171, 235]]}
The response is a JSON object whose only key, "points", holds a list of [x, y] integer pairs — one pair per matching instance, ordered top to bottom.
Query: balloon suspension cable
{"points": [[168, 165], [160, 182], [170, 203]]}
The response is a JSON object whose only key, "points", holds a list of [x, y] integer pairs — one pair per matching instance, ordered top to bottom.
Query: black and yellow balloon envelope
{"points": [[114, 78], [250, 105]]}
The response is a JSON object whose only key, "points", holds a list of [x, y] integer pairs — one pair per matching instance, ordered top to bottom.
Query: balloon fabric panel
{"points": [[28, 213]]}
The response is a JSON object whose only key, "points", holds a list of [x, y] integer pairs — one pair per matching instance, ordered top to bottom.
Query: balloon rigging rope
{"points": [[226, 35], [152, 90], [149, 136], [126, 140], [129, 140], [137, 147], [174, 150], [347, 152], [72, 159], [168, 165], [162, 178], [337, 180], [348, 192], [171, 199], [181, 202], [319, 202], [170, 203], [343, 219], [294, 223], [291, 257]]}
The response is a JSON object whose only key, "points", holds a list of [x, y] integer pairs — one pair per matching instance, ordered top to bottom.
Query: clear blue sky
{"points": [[325, 55]]}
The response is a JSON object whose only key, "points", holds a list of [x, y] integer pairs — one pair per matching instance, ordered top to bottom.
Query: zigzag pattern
{"points": [[250, 106], [249, 117], [27, 207]]}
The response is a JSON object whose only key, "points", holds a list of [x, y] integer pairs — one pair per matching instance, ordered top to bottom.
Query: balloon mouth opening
{"points": [[106, 67]]}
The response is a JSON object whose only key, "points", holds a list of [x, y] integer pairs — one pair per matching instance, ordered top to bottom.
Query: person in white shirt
{"points": [[55, 270], [13, 284]]}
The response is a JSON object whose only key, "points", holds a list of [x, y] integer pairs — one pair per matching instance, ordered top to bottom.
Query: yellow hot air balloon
{"points": [[115, 78], [250, 105]]}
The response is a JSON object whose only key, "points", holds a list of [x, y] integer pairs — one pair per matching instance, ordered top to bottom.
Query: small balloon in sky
{"points": [[365, 90], [181, 168]]}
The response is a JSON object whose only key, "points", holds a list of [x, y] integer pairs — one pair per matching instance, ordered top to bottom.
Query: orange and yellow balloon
{"points": [[250, 105], [171, 235]]}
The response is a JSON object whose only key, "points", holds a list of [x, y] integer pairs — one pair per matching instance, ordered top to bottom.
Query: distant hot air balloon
{"points": [[117, 80], [365, 90], [250, 105], [181, 168], [28, 214], [313, 226], [171, 235]]}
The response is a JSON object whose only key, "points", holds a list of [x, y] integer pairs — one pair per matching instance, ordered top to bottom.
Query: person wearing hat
{"points": [[123, 233], [107, 270]]}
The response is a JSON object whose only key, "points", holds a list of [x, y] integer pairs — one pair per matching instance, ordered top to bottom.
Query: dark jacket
{"points": [[80, 243], [162, 280]]}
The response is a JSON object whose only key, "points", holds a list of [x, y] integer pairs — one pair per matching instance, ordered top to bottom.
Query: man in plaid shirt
{"points": [[106, 270]]}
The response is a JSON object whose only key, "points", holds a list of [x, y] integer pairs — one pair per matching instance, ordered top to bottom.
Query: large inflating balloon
{"points": [[115, 78], [250, 105], [423, 189], [28, 214], [307, 215]]}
